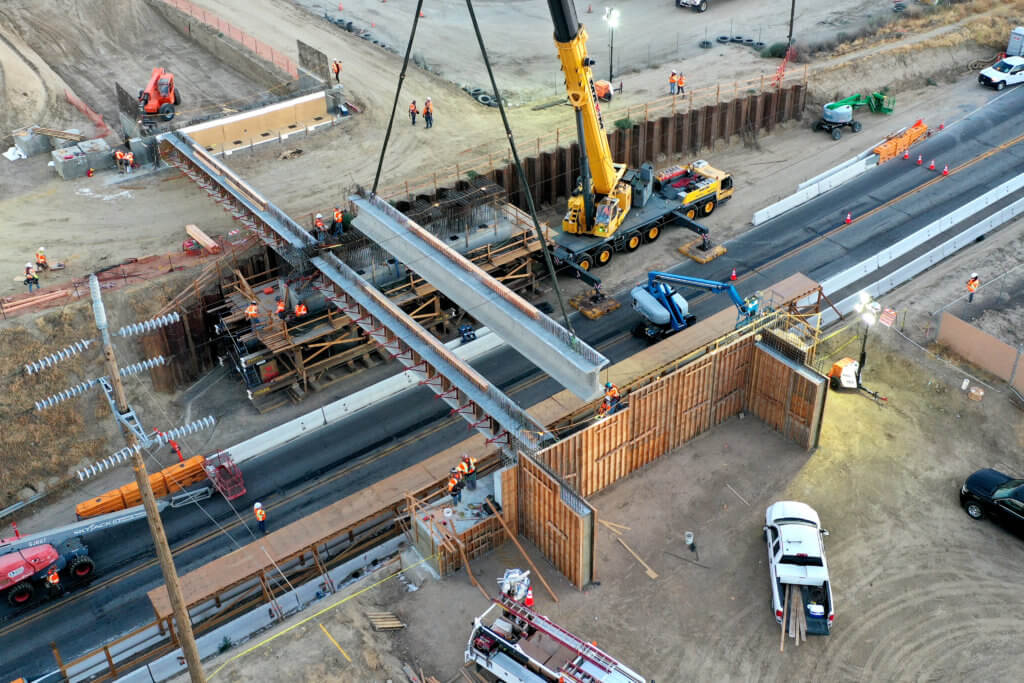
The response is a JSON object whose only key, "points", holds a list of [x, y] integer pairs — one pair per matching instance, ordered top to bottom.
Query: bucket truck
{"points": [[614, 207], [665, 311]]}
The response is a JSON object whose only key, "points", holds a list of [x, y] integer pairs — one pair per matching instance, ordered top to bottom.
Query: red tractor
{"points": [[160, 97], [24, 571]]}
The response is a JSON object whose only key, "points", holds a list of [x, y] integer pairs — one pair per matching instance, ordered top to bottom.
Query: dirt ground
{"points": [[91, 44], [920, 589]]}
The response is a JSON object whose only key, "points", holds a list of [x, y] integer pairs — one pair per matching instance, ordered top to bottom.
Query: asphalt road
{"points": [[393, 435]]}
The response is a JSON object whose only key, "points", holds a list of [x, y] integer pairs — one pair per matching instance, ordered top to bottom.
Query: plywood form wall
{"points": [[786, 396], [660, 417], [489, 533], [562, 534]]}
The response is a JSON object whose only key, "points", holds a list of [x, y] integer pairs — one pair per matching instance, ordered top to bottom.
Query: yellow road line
{"points": [[314, 616], [331, 638]]}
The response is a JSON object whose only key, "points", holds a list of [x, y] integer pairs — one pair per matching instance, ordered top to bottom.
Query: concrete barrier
{"points": [[820, 184], [891, 281], [485, 342]]}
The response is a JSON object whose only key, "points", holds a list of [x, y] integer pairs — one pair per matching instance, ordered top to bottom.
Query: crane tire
{"points": [[476, 92], [177, 97], [485, 99], [166, 111], [836, 133], [652, 233], [633, 242], [603, 256], [585, 262], [81, 567], [20, 594]]}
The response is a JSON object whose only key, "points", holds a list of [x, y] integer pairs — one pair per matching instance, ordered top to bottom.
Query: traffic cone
{"points": [[340, 8], [422, 15], [942, 126], [906, 154], [919, 160], [931, 166], [945, 169], [849, 218], [733, 275], [529, 598]]}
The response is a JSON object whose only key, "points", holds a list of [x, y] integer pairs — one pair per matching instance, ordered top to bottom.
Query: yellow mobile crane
{"points": [[624, 207]]}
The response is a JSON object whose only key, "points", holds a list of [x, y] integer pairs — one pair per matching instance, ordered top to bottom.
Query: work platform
{"points": [[563, 356]]}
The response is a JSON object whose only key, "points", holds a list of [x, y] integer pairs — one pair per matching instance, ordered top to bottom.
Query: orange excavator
{"points": [[159, 97]]}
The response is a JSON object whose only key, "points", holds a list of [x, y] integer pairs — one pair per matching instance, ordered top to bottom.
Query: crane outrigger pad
{"points": [[693, 250]]}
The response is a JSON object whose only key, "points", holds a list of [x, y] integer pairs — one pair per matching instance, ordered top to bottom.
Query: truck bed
{"points": [[657, 208], [816, 625]]}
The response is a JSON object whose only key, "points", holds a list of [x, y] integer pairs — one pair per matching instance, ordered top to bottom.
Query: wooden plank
{"points": [[198, 235], [650, 572]]}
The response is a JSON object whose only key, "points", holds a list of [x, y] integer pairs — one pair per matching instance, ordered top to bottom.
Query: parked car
{"points": [[1007, 71], [990, 493], [796, 556]]}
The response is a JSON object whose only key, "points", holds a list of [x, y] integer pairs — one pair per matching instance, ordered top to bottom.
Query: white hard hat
{"points": [[674, 71], [428, 99], [319, 215], [42, 249], [28, 265], [973, 275], [257, 506]]}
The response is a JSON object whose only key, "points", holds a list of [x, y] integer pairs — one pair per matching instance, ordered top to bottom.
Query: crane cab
{"points": [[699, 187]]}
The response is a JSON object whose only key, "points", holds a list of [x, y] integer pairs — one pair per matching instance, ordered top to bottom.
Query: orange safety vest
{"points": [[336, 67], [672, 78], [681, 81], [412, 108], [428, 108], [119, 155], [130, 156], [338, 216], [320, 223], [41, 259], [972, 285], [280, 307], [301, 310], [252, 311], [612, 393], [605, 407], [468, 466], [453, 483], [261, 515], [53, 578]]}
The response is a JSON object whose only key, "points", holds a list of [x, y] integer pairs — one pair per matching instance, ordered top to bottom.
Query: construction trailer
{"points": [[518, 645]]}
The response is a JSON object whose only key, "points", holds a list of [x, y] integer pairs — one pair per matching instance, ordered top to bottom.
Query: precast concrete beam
{"points": [[562, 355]]}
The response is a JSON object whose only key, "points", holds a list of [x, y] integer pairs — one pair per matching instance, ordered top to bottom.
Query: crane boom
{"points": [[571, 40], [710, 285]]}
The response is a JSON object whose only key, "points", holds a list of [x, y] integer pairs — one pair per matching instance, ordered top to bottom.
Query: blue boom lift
{"points": [[665, 311]]}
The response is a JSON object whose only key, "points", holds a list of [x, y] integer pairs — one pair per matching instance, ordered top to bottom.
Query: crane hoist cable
{"points": [[398, 93], [508, 132], [519, 169]]}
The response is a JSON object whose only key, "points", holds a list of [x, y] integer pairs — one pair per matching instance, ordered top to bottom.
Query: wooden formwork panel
{"points": [[732, 373], [786, 396], [510, 497], [544, 518]]}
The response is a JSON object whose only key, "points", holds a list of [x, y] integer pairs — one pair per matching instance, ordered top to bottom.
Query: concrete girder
{"points": [[562, 355]]}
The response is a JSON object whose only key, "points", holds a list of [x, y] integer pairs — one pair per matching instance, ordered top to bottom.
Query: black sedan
{"points": [[996, 495]]}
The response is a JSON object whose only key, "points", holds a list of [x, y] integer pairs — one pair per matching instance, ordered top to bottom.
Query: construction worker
{"points": [[336, 70], [673, 83], [681, 84], [413, 111], [428, 113], [119, 160], [129, 161], [338, 224], [41, 263], [31, 279], [972, 286], [282, 310], [301, 310], [252, 311], [611, 394], [605, 409], [467, 468], [455, 486], [261, 516], [53, 579]]}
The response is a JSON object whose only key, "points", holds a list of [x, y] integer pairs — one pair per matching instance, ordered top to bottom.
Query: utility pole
{"points": [[792, 12], [156, 526]]}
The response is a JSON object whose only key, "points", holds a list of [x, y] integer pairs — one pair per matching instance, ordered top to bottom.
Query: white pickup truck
{"points": [[796, 556]]}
